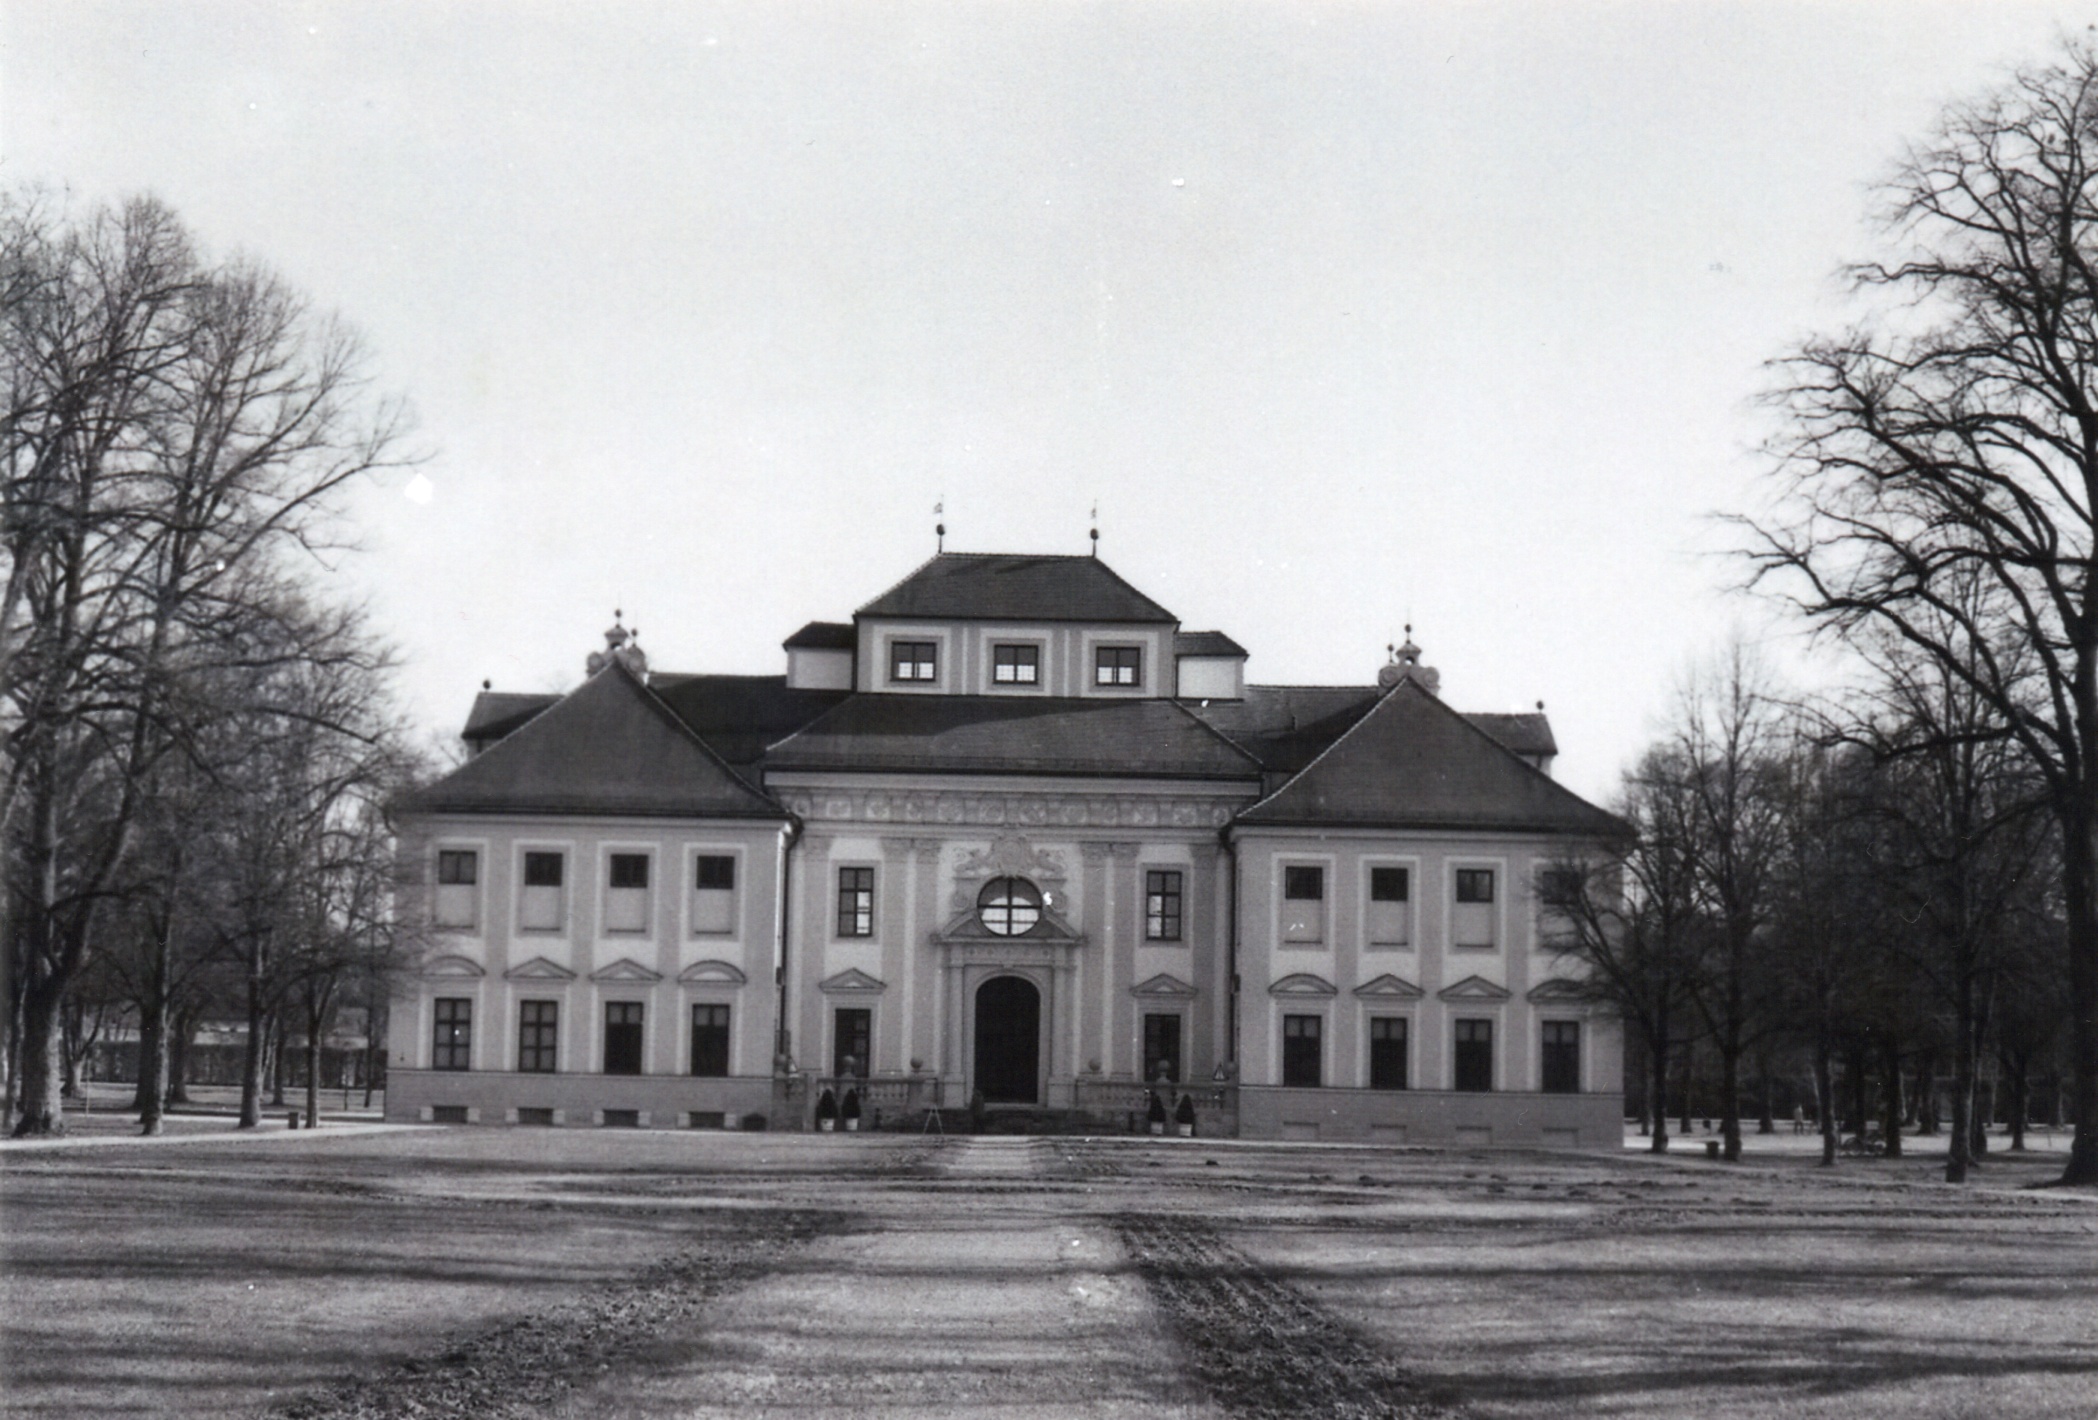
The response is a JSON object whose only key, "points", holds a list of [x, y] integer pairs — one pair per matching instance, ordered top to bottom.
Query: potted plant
{"points": [[826, 1112], [851, 1112], [1156, 1114], [1185, 1116]]}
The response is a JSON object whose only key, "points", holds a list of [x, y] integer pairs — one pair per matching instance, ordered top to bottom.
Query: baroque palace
{"points": [[1009, 840]]}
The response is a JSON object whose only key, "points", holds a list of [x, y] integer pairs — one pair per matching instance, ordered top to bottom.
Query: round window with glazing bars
{"points": [[1009, 907]]}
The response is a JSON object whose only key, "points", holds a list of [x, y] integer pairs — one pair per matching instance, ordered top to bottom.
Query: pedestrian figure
{"points": [[1799, 1120]]}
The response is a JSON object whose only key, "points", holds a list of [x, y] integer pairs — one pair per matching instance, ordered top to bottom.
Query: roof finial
{"points": [[939, 529], [1094, 533]]}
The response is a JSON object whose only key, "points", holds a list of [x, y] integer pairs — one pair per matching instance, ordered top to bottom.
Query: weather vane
{"points": [[939, 529]]}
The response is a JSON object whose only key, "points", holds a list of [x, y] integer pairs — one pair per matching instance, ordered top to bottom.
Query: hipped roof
{"points": [[977, 586]]}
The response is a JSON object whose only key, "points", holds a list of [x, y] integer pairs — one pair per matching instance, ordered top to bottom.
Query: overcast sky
{"points": [[1343, 314]]}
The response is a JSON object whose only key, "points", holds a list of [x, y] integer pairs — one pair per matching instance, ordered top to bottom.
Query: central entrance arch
{"points": [[1008, 1041]]}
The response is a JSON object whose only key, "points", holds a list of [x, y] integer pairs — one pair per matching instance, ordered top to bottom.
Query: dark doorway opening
{"points": [[1008, 1041]]}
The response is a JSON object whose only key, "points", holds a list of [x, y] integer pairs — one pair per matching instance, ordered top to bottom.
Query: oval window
{"points": [[1009, 907]]}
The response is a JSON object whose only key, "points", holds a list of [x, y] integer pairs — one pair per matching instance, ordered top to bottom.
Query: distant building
{"points": [[1011, 834]]}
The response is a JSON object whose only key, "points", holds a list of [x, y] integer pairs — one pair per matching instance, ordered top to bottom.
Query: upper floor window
{"points": [[913, 661], [1016, 665], [1118, 665], [458, 879], [714, 893], [626, 894], [855, 902], [1303, 903], [1162, 905], [540, 907], [1009, 907], [1391, 907], [1473, 924]]}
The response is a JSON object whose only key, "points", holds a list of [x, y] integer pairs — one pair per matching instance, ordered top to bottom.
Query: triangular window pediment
{"points": [[455, 967], [539, 969], [625, 969], [713, 973], [850, 981], [1303, 983], [1164, 985], [1389, 988], [1474, 988], [1560, 988]]}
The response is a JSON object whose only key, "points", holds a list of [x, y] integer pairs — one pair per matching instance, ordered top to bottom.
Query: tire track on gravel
{"points": [[1263, 1350]]}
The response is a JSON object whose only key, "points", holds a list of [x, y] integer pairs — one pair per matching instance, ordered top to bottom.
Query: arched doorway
{"points": [[1008, 1041]]}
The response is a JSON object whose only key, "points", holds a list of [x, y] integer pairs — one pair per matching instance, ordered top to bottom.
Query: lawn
{"points": [[572, 1272]]}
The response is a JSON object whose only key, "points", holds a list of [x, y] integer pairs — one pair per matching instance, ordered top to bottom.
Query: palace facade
{"points": [[1010, 837]]}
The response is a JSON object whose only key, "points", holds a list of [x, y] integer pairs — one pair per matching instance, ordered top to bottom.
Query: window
{"points": [[913, 661], [1016, 665], [1118, 665], [458, 890], [1560, 891], [714, 893], [626, 896], [855, 902], [1303, 904], [1162, 905], [539, 906], [1009, 907], [1391, 907], [1472, 923], [537, 1026], [455, 1034], [622, 1037], [709, 1040], [852, 1042], [1162, 1048], [1300, 1051], [1387, 1052], [1475, 1055], [1562, 1057]]}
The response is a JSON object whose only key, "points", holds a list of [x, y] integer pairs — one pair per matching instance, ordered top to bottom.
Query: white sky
{"points": [[1342, 313]]}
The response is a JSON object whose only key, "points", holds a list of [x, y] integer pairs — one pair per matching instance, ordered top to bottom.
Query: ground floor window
{"points": [[537, 1029], [622, 1037], [710, 1040], [852, 1042], [1162, 1047], [453, 1048], [1300, 1050], [1387, 1052], [1475, 1055], [1562, 1057]]}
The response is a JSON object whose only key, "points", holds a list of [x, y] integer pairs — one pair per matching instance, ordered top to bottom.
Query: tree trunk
{"points": [[2080, 895], [153, 1044], [178, 1058], [253, 1058], [1825, 1095], [1730, 1097], [1890, 1097], [2021, 1102], [1922, 1104], [43, 1110], [1859, 1111], [1659, 1143], [1959, 1151]]}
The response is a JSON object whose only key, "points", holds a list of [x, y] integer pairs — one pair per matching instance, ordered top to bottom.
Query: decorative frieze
{"points": [[958, 809]]}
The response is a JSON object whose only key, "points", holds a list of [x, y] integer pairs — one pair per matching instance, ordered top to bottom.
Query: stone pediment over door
{"points": [[853, 982], [1164, 987]]}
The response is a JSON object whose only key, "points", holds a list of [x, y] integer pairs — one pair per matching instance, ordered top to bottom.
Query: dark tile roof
{"points": [[1001, 587], [823, 636], [1206, 643], [496, 713], [739, 715], [1286, 726], [1006, 734], [1525, 734], [608, 747], [1412, 762]]}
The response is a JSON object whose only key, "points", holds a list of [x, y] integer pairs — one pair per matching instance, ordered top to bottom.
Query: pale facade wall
{"points": [[813, 668], [1212, 678]]}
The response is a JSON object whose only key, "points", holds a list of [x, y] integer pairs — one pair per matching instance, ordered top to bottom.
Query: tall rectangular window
{"points": [[913, 661], [1016, 665], [1120, 666], [458, 887], [626, 893], [713, 894], [855, 902], [1303, 904], [1162, 905], [539, 906], [1391, 907], [1472, 922], [538, 1029], [622, 1037], [709, 1040], [852, 1041], [1162, 1047], [453, 1048], [1387, 1052], [1474, 1055], [1562, 1057], [1301, 1065]]}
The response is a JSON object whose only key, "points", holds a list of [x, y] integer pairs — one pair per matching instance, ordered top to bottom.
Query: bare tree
{"points": [[1952, 437]]}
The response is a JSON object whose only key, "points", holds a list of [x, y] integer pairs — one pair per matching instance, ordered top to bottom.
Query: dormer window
{"points": [[913, 661], [1016, 665], [1118, 665]]}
